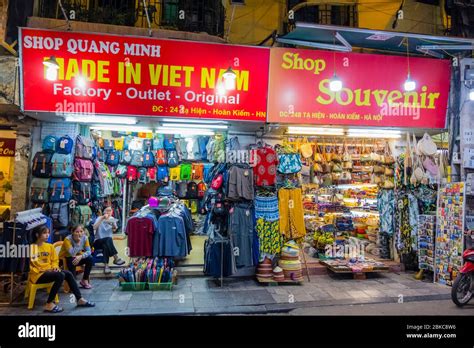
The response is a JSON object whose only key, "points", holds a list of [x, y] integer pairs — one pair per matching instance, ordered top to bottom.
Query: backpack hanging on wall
{"points": [[158, 142], [168, 143], [49, 144], [109, 144], [147, 144], [65, 145], [84, 147], [125, 157], [161, 157], [113, 158], [137, 158], [148, 159], [173, 160], [42, 165], [62, 165], [83, 170], [186, 170], [121, 171], [163, 173], [132, 174], [152, 174], [142, 176], [108, 184], [39, 190], [60, 190], [81, 192], [59, 214], [81, 215]]}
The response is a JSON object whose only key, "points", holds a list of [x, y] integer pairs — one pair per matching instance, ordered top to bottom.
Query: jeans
{"points": [[107, 246], [87, 262], [58, 278]]}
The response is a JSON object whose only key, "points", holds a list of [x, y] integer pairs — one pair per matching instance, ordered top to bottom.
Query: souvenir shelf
{"points": [[449, 232], [426, 241]]}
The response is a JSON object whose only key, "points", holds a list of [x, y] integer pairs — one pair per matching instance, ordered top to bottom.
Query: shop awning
{"points": [[344, 39]]}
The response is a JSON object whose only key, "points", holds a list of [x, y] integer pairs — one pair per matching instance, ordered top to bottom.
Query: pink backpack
{"points": [[83, 170]]}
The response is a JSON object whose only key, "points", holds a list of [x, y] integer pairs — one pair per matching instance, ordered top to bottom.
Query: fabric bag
{"points": [[49, 143], [65, 145], [426, 146], [84, 147], [306, 150], [317, 155], [113, 158], [137, 158], [148, 159], [173, 159], [42, 164], [62, 165], [83, 170], [186, 171], [326, 180], [39, 190], [60, 190], [81, 192], [81, 215]]}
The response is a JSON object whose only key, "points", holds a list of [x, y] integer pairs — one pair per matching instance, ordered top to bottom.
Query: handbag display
{"points": [[426, 146], [306, 150], [317, 155], [431, 166], [318, 168], [336, 168], [378, 169], [388, 171], [326, 180]]}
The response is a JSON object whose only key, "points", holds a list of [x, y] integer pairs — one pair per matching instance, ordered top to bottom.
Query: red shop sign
{"points": [[139, 76], [372, 94], [7, 147]]}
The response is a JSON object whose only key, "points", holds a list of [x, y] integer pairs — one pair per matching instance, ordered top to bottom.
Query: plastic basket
{"points": [[135, 286], [160, 286]]}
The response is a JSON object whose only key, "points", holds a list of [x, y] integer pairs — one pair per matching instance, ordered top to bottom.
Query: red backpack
{"points": [[160, 157], [83, 170], [132, 173], [151, 174], [201, 189]]}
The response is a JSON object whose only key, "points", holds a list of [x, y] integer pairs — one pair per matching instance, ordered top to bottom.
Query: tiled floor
{"points": [[204, 296]]}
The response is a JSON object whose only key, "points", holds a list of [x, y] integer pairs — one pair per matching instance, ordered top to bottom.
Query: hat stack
{"points": [[290, 262], [265, 269], [278, 274]]}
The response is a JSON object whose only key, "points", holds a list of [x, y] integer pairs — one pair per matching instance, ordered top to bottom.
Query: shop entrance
{"points": [[7, 163]]}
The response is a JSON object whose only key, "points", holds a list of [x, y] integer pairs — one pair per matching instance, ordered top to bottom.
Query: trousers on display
{"points": [[290, 204]]}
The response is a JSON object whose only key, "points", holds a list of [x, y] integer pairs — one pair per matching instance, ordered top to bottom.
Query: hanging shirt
{"points": [[266, 169], [140, 236], [172, 236]]}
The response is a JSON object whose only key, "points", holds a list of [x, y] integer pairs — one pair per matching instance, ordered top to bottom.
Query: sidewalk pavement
{"points": [[204, 296]]}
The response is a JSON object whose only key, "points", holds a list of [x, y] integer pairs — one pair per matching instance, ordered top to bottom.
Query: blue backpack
{"points": [[158, 142], [49, 143], [168, 143], [147, 144], [64, 145], [113, 158], [148, 159], [173, 159], [62, 166], [163, 173], [142, 177], [60, 190]]}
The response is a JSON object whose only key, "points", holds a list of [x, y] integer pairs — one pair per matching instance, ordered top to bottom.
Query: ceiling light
{"points": [[335, 84], [409, 84], [471, 94], [100, 119], [184, 120], [195, 125], [122, 128], [183, 131], [315, 131], [373, 133]]}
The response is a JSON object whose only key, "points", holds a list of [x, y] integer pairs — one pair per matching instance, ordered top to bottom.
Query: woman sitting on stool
{"points": [[104, 228], [77, 252], [44, 268]]}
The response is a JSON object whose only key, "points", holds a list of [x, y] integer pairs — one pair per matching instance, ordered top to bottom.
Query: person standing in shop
{"points": [[104, 228], [76, 251], [44, 268]]}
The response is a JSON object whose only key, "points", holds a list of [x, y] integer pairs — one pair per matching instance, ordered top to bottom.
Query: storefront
{"points": [[183, 145]]}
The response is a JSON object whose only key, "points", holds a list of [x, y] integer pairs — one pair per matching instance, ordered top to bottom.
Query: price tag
{"points": [[247, 212]]}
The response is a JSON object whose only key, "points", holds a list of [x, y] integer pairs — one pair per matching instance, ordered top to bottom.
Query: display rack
{"points": [[449, 232], [426, 242]]}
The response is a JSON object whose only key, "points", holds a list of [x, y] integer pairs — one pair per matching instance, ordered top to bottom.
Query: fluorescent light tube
{"points": [[100, 119], [199, 121], [195, 125], [122, 128], [183, 131], [315, 131], [374, 131], [378, 136]]}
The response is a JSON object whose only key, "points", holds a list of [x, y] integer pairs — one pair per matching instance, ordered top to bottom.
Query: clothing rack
{"points": [[22, 217]]}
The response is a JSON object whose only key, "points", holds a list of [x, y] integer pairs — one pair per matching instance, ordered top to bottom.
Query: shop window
{"points": [[343, 15]]}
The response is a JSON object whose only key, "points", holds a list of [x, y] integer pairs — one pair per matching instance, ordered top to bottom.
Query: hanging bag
{"points": [[426, 146], [306, 149], [317, 155], [289, 161]]}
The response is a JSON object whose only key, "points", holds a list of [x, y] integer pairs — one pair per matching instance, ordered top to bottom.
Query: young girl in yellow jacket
{"points": [[44, 268]]}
